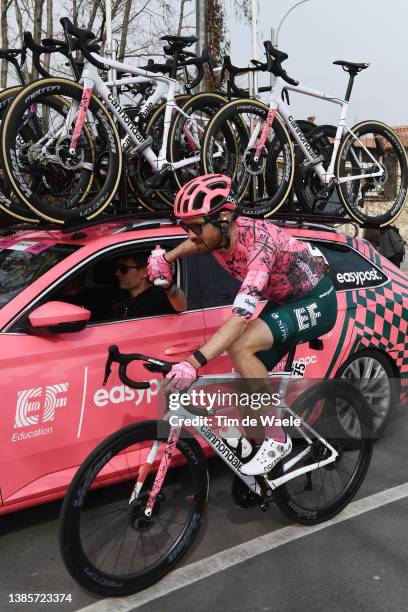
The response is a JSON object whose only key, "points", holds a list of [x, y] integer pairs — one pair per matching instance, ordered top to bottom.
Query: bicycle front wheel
{"points": [[36, 139], [370, 148], [238, 157], [318, 495], [107, 545]]}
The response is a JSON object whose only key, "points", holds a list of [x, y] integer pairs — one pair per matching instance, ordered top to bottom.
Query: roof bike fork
{"points": [[83, 109], [265, 131], [165, 462]]}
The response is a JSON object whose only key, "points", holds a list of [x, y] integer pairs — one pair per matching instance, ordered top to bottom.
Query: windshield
{"points": [[22, 262]]}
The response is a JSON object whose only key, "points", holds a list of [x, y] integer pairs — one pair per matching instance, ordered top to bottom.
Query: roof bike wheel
{"points": [[36, 139], [372, 167]]}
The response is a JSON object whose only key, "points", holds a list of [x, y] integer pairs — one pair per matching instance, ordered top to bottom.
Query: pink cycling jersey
{"points": [[271, 263]]}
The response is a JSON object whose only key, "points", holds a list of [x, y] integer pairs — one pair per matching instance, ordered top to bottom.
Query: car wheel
{"points": [[371, 372]]}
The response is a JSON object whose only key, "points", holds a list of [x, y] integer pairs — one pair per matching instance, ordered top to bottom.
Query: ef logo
{"points": [[38, 405]]}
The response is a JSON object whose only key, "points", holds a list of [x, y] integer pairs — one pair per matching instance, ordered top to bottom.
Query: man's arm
{"points": [[187, 247], [177, 298], [221, 340]]}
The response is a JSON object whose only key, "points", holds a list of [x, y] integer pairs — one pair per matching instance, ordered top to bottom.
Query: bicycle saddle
{"points": [[180, 41], [351, 66]]}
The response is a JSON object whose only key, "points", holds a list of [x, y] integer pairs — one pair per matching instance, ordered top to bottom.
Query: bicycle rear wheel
{"points": [[376, 200], [8, 204], [319, 495], [105, 543]]}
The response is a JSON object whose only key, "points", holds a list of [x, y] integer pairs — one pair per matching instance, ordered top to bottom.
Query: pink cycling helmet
{"points": [[204, 195]]}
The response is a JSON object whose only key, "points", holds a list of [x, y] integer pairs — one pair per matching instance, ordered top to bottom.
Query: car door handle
{"points": [[182, 348]]}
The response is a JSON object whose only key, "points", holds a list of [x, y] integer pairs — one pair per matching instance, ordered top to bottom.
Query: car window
{"points": [[22, 262], [349, 269], [216, 286], [96, 288]]}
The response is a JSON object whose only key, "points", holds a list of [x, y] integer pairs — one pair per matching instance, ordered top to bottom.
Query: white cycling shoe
{"points": [[268, 455]]}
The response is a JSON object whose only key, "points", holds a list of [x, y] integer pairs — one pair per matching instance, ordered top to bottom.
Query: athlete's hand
{"points": [[158, 267], [181, 377]]}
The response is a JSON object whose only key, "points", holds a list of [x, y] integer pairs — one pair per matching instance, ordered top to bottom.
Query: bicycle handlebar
{"points": [[84, 38], [50, 45], [274, 59], [234, 71], [152, 364]]}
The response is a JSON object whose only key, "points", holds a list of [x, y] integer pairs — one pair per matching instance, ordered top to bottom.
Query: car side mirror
{"points": [[58, 318]]}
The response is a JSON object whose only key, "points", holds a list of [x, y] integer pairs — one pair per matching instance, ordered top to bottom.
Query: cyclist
{"points": [[301, 300]]}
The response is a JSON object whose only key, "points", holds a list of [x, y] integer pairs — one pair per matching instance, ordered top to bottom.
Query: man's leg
{"points": [[257, 337]]}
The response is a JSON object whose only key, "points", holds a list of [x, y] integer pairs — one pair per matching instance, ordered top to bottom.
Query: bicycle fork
{"points": [[82, 111], [161, 471]]}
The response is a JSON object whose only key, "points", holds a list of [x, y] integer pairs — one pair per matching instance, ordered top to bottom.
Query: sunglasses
{"points": [[196, 228], [124, 269]]}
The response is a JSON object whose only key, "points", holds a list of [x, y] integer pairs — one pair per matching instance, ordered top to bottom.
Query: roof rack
{"points": [[150, 216], [147, 219]]}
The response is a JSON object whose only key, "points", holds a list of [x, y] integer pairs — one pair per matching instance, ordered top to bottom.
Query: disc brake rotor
{"points": [[68, 160]]}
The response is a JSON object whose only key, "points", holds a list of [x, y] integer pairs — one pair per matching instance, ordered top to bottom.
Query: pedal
{"points": [[142, 146], [313, 162], [158, 179]]}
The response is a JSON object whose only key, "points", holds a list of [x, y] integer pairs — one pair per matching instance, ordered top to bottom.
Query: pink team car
{"points": [[55, 409]]}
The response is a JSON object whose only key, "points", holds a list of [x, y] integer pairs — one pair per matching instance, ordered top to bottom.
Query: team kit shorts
{"points": [[303, 319]]}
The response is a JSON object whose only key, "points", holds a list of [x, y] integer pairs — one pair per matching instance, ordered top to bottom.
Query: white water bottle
{"points": [[160, 281]]}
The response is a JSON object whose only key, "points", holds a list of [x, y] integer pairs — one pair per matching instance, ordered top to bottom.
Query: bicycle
{"points": [[103, 158], [367, 167], [8, 204], [120, 540]]}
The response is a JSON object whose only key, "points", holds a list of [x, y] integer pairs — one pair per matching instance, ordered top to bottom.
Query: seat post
{"points": [[175, 63], [350, 85]]}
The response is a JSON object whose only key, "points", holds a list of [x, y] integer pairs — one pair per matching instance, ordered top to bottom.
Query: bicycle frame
{"points": [[166, 88], [277, 104], [227, 454]]}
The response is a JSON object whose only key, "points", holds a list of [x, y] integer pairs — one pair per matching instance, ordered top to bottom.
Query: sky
{"points": [[318, 32]]}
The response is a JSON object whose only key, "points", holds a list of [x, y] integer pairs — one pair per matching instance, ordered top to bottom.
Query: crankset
{"points": [[158, 180], [245, 498]]}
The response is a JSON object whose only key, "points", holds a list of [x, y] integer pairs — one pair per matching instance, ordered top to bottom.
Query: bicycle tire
{"points": [[208, 103], [9, 205], [85, 206], [267, 206], [355, 206], [288, 496], [82, 497]]}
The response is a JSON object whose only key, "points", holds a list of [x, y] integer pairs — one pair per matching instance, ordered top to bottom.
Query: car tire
{"points": [[382, 396]]}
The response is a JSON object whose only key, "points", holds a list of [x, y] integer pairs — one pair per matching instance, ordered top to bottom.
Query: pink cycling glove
{"points": [[158, 267], [180, 377]]}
